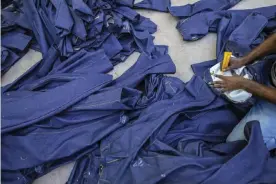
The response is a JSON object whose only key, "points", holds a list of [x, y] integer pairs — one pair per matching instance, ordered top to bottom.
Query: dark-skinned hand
{"points": [[236, 63], [229, 83]]}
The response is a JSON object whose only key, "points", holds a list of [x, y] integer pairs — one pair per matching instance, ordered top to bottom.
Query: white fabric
{"points": [[237, 96]]}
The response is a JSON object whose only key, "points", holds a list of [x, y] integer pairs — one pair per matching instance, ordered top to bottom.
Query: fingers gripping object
{"points": [[226, 60]]}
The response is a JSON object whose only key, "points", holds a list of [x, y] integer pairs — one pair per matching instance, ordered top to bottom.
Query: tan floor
{"points": [[183, 54]]}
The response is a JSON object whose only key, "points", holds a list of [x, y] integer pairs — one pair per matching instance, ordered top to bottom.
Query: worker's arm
{"points": [[266, 48], [237, 82]]}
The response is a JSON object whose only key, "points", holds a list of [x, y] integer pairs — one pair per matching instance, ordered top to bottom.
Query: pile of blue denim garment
{"points": [[60, 28], [143, 127]]}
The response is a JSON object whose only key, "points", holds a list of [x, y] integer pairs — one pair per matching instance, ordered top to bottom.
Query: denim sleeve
{"points": [[125, 2], [154, 5], [202, 6], [82, 10], [127, 12], [17, 18], [63, 20], [145, 24], [198, 25], [241, 39], [16, 40], [82, 62], [200, 69], [14, 118]]}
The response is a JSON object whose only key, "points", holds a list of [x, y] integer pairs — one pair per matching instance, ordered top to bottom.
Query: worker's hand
{"points": [[236, 63], [229, 83]]}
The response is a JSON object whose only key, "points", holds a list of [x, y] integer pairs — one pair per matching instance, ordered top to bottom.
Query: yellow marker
{"points": [[226, 60]]}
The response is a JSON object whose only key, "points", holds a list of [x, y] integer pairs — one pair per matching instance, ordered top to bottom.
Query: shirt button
{"points": [[123, 119]]}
